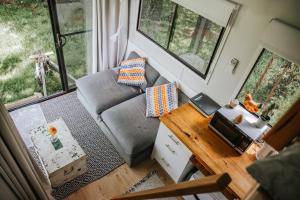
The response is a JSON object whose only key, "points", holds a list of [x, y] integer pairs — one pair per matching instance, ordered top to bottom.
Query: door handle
{"points": [[61, 40], [64, 41], [173, 139], [170, 149], [166, 163], [68, 171]]}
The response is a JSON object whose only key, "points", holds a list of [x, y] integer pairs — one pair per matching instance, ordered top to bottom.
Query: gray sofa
{"points": [[119, 110]]}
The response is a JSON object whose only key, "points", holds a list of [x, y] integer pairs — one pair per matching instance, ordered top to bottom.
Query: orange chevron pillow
{"points": [[132, 72], [161, 99]]}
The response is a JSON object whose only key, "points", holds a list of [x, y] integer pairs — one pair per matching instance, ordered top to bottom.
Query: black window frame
{"points": [[170, 37], [249, 74]]}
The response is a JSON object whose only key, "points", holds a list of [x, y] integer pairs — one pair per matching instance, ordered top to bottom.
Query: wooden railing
{"points": [[205, 185]]}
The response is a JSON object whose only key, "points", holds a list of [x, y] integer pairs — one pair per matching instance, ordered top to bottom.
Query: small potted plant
{"points": [[53, 132]]}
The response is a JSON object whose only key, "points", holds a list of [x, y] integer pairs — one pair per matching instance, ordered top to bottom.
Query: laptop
{"points": [[204, 104]]}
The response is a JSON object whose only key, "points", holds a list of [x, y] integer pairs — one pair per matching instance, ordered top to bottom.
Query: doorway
{"points": [[72, 28], [57, 32]]}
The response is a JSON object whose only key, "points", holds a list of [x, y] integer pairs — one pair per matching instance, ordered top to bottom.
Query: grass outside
{"points": [[25, 29]]}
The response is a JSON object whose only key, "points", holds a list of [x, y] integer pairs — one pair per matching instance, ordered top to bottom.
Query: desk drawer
{"points": [[168, 139], [171, 153]]}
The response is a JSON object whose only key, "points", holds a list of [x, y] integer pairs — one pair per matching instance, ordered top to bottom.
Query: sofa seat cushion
{"points": [[102, 91], [130, 127]]}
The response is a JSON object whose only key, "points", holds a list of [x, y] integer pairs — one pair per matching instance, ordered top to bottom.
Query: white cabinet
{"points": [[171, 153]]}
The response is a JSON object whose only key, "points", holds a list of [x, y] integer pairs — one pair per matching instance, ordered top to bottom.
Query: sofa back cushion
{"points": [[150, 73], [160, 81], [182, 98], [161, 99]]}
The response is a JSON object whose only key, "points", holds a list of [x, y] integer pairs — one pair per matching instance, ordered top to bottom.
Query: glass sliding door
{"points": [[74, 22], [54, 32], [25, 37]]}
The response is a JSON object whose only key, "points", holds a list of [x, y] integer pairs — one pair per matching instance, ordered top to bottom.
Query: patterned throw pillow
{"points": [[132, 72], [161, 99]]}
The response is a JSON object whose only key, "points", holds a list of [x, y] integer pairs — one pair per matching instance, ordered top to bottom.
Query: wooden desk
{"points": [[212, 153]]}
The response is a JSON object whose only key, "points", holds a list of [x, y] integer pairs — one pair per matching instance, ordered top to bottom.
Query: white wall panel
{"points": [[283, 39], [242, 43]]}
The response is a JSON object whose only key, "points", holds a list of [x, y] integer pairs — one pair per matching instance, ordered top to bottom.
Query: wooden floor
{"points": [[119, 181]]}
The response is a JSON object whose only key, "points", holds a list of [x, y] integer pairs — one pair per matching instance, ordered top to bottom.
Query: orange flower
{"points": [[52, 130]]}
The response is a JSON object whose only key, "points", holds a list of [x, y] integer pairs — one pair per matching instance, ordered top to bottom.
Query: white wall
{"points": [[242, 43]]}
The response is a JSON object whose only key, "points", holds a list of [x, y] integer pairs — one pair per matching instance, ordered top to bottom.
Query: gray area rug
{"points": [[102, 157], [150, 181]]}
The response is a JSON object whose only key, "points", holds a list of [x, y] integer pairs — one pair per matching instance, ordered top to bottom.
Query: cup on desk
{"points": [[233, 103], [265, 151]]}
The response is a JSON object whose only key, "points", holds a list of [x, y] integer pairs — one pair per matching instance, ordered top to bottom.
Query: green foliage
{"points": [[27, 1], [156, 18], [30, 19], [155, 22], [188, 38], [75, 54], [9, 63], [52, 79], [24, 85], [17, 88], [285, 93]]}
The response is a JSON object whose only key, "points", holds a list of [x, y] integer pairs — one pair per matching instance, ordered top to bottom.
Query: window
{"points": [[189, 37], [274, 82]]}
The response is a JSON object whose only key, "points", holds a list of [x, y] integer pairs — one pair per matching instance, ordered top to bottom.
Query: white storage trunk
{"points": [[64, 164], [68, 172]]}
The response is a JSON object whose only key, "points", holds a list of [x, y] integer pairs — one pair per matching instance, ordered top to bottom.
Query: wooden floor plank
{"points": [[119, 181]]}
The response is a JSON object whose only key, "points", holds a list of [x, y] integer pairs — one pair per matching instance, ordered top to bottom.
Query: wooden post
{"points": [[41, 59]]}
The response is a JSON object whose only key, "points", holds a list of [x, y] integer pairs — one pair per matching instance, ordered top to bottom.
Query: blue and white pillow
{"points": [[132, 72], [161, 99]]}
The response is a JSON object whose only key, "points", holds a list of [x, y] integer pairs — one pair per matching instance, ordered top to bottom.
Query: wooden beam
{"points": [[286, 129], [205, 185]]}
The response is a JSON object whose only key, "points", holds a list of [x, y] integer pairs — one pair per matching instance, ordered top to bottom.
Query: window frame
{"points": [[218, 44], [262, 50], [259, 54], [253, 62]]}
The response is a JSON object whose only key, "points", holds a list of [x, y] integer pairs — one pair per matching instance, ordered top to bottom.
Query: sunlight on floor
{"points": [[26, 119]]}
